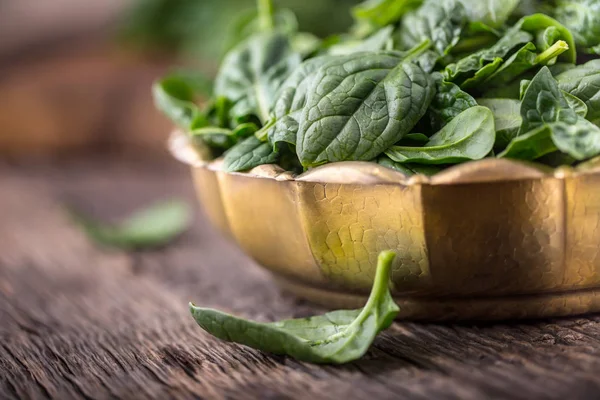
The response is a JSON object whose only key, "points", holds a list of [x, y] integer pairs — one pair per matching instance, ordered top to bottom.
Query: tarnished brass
{"points": [[492, 239]]}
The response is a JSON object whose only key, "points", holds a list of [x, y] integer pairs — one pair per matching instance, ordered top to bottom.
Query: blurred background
{"points": [[75, 75]]}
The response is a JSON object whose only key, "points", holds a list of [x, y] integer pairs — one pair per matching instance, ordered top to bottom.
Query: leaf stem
{"points": [[265, 15], [554, 51], [382, 276]]}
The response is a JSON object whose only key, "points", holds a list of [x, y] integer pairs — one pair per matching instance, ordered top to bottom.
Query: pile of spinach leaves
{"points": [[416, 85]]}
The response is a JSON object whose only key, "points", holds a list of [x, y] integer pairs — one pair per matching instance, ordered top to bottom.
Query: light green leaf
{"points": [[383, 12], [253, 71], [507, 119], [469, 136], [249, 153], [154, 226], [337, 337]]}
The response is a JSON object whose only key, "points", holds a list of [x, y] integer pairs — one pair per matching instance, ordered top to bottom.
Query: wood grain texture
{"points": [[79, 321]]}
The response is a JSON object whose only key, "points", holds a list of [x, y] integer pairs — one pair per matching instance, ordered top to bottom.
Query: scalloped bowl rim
{"points": [[481, 171]]}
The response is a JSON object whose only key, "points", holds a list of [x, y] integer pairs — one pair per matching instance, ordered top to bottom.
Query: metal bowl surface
{"points": [[492, 239]]}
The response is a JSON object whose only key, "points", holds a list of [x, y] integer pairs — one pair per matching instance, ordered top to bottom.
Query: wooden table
{"points": [[79, 321]]}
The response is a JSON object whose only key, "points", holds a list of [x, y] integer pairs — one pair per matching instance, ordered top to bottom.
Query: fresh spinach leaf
{"points": [[383, 12], [493, 13], [582, 18], [440, 22], [548, 31], [377, 41], [486, 61], [253, 71], [583, 82], [175, 96], [291, 100], [448, 102], [543, 102], [576, 104], [359, 105], [507, 119], [469, 136], [223, 138], [413, 139], [580, 140], [531, 145], [249, 153], [408, 169], [151, 227], [337, 337]]}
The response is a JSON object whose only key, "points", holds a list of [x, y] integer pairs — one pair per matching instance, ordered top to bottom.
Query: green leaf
{"points": [[383, 12], [493, 13], [582, 18], [440, 22], [551, 31], [377, 41], [488, 59], [253, 71], [583, 82], [174, 96], [290, 101], [448, 102], [543, 102], [576, 104], [359, 105], [507, 119], [469, 136], [413, 139], [580, 140], [531, 145], [249, 153], [408, 169], [154, 226], [337, 337]]}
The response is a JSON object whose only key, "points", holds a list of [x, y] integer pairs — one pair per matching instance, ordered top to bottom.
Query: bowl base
{"points": [[461, 309]]}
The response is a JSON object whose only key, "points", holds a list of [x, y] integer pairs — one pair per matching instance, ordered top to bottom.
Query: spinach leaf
{"points": [[383, 12], [493, 13], [582, 18], [440, 22], [548, 30], [378, 41], [486, 61], [478, 67], [253, 71], [583, 82], [175, 96], [291, 100], [448, 102], [543, 102], [576, 104], [359, 105], [507, 119], [550, 123], [469, 136], [223, 138], [413, 139], [580, 140], [531, 145], [249, 153], [408, 169], [154, 226], [337, 337]]}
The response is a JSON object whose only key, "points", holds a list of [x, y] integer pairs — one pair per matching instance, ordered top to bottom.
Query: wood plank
{"points": [[79, 321]]}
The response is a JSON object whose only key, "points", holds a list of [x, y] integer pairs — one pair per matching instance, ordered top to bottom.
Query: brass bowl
{"points": [[493, 239]]}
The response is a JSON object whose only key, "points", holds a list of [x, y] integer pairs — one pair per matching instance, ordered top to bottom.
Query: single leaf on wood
{"points": [[154, 226], [337, 337]]}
